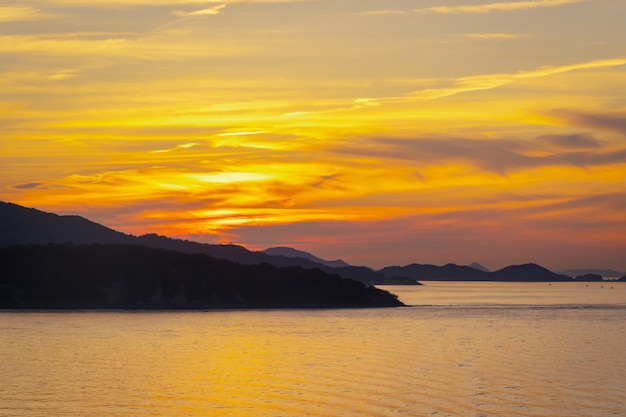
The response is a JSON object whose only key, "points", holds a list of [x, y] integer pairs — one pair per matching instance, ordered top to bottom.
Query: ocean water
{"points": [[463, 349]]}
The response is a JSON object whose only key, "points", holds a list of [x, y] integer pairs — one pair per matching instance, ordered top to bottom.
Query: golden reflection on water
{"points": [[460, 360]]}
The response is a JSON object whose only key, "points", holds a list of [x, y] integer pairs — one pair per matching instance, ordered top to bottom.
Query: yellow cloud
{"points": [[151, 3], [496, 7], [202, 12], [385, 12], [18, 13], [497, 35], [63, 75], [491, 81], [177, 147]]}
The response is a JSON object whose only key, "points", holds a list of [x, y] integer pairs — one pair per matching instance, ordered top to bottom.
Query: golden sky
{"points": [[380, 132]]}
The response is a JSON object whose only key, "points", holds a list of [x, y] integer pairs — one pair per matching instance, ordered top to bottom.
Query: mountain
{"points": [[21, 225], [294, 253], [242, 255], [478, 266], [449, 272], [452, 272], [602, 272], [359, 273], [527, 273], [122, 276], [589, 278]]}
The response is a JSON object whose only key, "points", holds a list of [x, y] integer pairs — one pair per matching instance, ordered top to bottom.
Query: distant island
{"points": [[529, 272], [515, 273]]}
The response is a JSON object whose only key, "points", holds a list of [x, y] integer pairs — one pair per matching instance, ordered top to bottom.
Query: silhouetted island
{"points": [[451, 272], [120, 276], [589, 278]]}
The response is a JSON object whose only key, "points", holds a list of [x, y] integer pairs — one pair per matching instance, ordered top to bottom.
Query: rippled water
{"points": [[485, 350]]}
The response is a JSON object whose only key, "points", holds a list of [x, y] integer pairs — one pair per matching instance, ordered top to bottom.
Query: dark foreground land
{"points": [[118, 276]]}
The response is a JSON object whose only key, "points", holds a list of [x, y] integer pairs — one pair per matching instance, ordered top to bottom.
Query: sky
{"points": [[379, 132]]}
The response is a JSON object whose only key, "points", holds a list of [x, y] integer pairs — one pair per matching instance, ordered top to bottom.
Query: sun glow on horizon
{"points": [[439, 136]]}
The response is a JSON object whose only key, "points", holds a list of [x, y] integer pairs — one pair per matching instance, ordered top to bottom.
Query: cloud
{"points": [[157, 3], [496, 7], [202, 12], [385, 12], [19, 13], [497, 36], [63, 75], [491, 81], [615, 122], [246, 133], [573, 141], [177, 147], [500, 156], [28, 185], [519, 229]]}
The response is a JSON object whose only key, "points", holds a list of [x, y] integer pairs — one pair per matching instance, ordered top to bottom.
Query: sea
{"points": [[458, 349]]}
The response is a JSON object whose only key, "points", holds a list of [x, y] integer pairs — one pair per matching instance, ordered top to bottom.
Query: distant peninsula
{"points": [[122, 276]]}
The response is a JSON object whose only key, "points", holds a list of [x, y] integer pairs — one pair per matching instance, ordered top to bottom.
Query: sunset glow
{"points": [[379, 132]]}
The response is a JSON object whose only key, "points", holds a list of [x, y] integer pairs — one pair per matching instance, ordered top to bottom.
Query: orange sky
{"points": [[380, 132]]}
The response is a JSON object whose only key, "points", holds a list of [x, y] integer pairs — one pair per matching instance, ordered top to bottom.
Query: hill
{"points": [[21, 225], [294, 253], [242, 255], [478, 266], [449, 272], [452, 272], [528, 273], [609, 273], [121, 276]]}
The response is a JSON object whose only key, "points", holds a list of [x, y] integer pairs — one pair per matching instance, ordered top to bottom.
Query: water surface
{"points": [[487, 350]]}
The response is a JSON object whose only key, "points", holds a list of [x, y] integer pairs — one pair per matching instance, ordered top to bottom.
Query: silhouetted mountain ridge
{"points": [[21, 225], [295, 253], [478, 266], [602, 272], [516, 273]]}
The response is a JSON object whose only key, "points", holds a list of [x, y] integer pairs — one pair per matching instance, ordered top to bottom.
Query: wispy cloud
{"points": [[153, 3], [496, 7], [477, 8], [209, 11], [384, 12], [19, 13], [497, 36], [63, 75], [491, 81], [615, 122], [247, 133], [572, 141], [177, 147], [499, 156], [28, 185]]}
